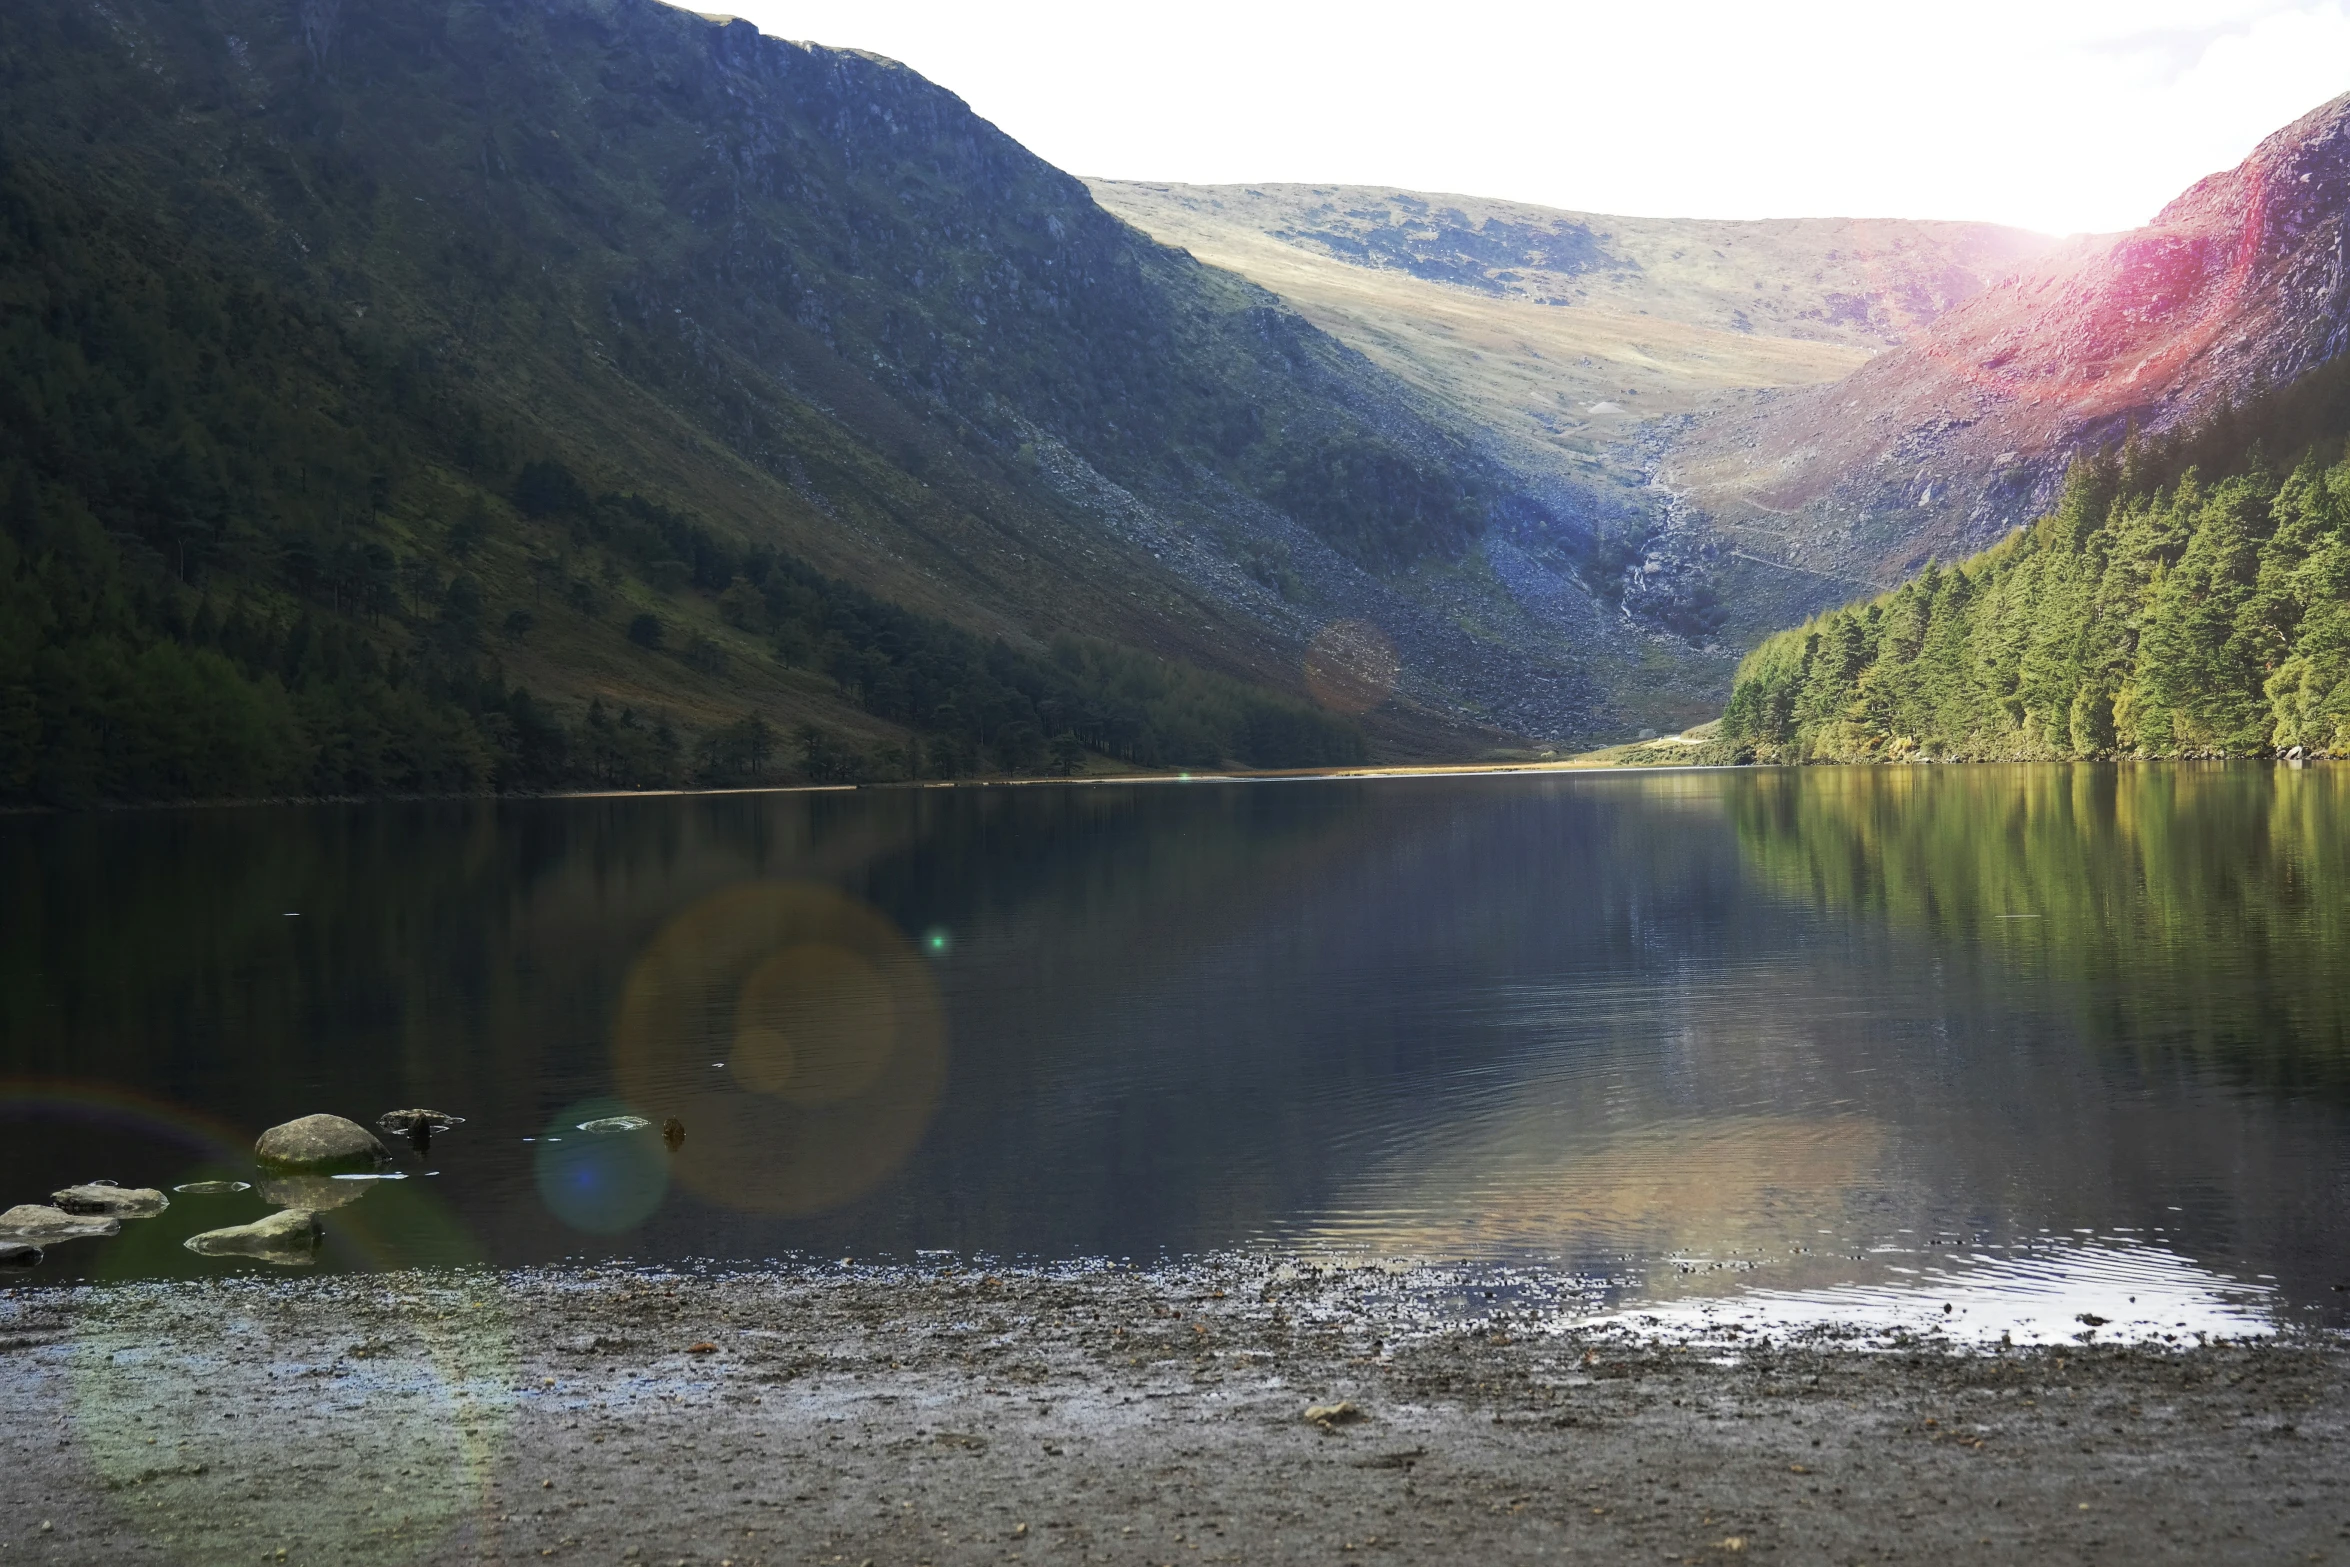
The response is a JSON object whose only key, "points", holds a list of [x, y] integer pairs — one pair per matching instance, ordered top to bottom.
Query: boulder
{"points": [[321, 1142], [313, 1193], [122, 1202], [32, 1222], [288, 1239]]}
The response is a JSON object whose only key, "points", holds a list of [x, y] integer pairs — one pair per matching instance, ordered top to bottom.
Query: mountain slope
{"points": [[770, 309], [1574, 344], [1938, 446]]}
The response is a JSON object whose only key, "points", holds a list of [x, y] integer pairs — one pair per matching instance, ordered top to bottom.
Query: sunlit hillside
{"points": [[1564, 333]]}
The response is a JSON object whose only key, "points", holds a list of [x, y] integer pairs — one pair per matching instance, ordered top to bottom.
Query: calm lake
{"points": [[2025, 1043]]}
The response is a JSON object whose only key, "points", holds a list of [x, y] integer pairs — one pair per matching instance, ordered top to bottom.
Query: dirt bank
{"points": [[939, 1416]]}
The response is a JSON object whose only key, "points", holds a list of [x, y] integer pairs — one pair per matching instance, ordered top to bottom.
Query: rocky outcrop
{"points": [[321, 1142], [289, 1239]]}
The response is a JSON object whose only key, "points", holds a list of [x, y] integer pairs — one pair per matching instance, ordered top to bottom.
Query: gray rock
{"points": [[321, 1142], [315, 1193], [123, 1202], [32, 1222], [288, 1239]]}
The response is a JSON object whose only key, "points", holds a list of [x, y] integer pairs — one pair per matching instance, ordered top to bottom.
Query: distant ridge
{"points": [[1941, 444]]}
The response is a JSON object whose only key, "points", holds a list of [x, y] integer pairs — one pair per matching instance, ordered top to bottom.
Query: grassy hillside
{"points": [[1576, 343], [420, 396], [2185, 598]]}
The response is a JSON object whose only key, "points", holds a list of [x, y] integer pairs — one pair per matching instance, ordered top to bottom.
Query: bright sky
{"points": [[2060, 115]]}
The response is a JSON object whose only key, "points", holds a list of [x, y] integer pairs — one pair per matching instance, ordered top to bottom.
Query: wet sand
{"points": [[1107, 1415]]}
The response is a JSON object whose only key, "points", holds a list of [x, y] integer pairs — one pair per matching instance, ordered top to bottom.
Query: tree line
{"points": [[2187, 597]]}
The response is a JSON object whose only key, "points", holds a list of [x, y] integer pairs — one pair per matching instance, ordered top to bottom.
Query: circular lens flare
{"points": [[815, 1024], [832, 1034], [601, 1184]]}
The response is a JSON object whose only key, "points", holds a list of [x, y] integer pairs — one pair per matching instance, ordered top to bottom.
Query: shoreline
{"points": [[1580, 765], [828, 1415]]}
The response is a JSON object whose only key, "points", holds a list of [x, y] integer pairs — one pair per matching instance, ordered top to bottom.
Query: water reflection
{"points": [[1691, 1034], [2110, 1290]]}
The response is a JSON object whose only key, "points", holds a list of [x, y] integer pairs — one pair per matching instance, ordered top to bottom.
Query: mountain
{"points": [[1656, 316], [1577, 345], [438, 380], [1938, 446]]}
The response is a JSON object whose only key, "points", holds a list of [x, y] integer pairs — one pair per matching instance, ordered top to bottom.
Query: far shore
{"points": [[1653, 755]]}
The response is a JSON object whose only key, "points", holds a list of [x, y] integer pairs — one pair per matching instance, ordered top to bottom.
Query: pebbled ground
{"points": [[1105, 1415]]}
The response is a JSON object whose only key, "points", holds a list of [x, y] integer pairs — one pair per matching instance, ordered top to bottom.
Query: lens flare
{"points": [[815, 1024], [832, 1034], [608, 1181], [355, 1420]]}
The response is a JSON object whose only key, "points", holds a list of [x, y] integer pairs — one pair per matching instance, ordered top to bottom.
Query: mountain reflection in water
{"points": [[1690, 1034]]}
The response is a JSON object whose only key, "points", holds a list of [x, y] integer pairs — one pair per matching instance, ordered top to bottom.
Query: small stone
{"points": [[673, 1132], [321, 1142], [123, 1202], [34, 1222], [288, 1239], [1330, 1416]]}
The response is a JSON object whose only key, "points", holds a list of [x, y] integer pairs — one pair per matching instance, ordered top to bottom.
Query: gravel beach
{"points": [[837, 1415]]}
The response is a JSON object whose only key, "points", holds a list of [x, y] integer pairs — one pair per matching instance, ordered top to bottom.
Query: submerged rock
{"points": [[405, 1122], [418, 1126], [673, 1132], [321, 1142], [212, 1188], [312, 1193], [123, 1202], [34, 1222], [288, 1239], [19, 1254]]}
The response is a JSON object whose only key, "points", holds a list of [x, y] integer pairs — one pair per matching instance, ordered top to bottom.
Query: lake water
{"points": [[2025, 1043]]}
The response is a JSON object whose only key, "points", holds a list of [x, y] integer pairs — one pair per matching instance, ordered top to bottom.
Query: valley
{"points": [[890, 451]]}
